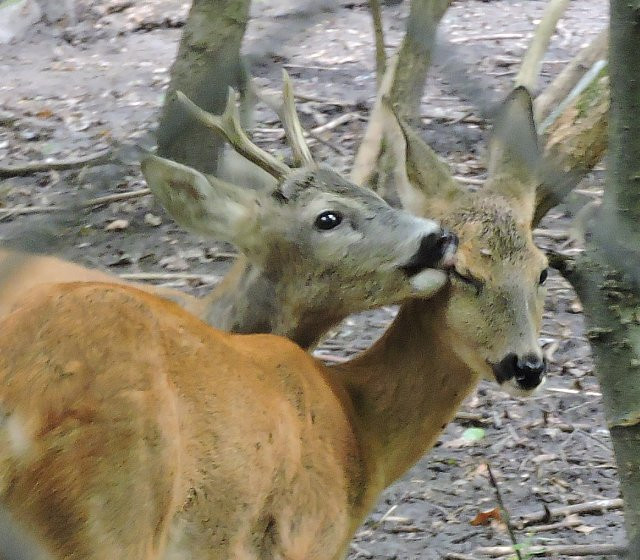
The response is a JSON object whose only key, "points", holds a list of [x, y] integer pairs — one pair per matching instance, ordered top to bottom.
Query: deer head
{"points": [[311, 226], [491, 312]]}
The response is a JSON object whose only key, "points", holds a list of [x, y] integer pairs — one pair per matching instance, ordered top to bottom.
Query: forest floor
{"points": [[71, 90]]}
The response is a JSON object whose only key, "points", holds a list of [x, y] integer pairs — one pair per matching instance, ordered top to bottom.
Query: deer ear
{"points": [[514, 154], [421, 178], [204, 205]]}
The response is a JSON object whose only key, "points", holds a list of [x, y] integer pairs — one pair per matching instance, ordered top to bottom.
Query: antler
{"points": [[291, 123], [228, 124]]}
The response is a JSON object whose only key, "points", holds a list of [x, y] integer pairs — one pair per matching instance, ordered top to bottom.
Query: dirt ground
{"points": [[71, 90]]}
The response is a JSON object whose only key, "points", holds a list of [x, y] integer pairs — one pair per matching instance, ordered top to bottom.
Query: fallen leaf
{"points": [[44, 114], [152, 219], [473, 434], [485, 517]]}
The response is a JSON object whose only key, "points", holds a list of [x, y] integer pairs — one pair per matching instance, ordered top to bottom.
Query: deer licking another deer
{"points": [[315, 246], [130, 429]]}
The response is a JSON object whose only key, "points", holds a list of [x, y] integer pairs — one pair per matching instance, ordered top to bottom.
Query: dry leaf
{"points": [[44, 114], [152, 219], [485, 517]]}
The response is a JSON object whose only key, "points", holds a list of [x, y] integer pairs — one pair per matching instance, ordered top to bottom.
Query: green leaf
{"points": [[473, 434]]}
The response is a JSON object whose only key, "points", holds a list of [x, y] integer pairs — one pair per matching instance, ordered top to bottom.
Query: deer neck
{"points": [[251, 301], [404, 390]]}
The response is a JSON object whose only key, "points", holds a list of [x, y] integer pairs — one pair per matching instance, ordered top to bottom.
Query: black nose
{"points": [[436, 250], [527, 370]]}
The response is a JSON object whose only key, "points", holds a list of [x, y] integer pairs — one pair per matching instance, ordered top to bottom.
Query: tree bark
{"points": [[378, 33], [414, 56], [207, 64], [574, 143], [607, 274]]}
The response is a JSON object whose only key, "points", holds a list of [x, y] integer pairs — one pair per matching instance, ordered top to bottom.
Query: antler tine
{"points": [[291, 123], [228, 124]]}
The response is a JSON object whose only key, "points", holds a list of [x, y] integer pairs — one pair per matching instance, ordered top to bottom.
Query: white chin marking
{"points": [[428, 281], [512, 388]]}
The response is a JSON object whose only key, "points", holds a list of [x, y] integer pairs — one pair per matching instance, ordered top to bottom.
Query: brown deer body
{"points": [[315, 246], [207, 445]]}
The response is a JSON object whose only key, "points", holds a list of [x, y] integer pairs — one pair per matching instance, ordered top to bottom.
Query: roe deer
{"points": [[315, 246], [207, 445]]}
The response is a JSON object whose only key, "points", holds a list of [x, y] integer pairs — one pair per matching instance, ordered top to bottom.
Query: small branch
{"points": [[378, 29], [493, 37], [532, 61], [570, 76], [313, 99], [335, 123], [61, 165], [469, 180], [107, 199], [157, 276], [597, 506], [505, 512], [564, 524], [565, 549], [458, 556]]}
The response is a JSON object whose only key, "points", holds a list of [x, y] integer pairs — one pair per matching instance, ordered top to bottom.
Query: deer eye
{"points": [[328, 220], [543, 276], [469, 280]]}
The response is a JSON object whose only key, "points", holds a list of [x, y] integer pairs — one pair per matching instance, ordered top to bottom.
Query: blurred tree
{"points": [[207, 64], [607, 274]]}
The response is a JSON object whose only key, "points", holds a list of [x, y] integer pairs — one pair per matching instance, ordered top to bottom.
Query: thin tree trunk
{"points": [[378, 31], [414, 56], [207, 64], [607, 275]]}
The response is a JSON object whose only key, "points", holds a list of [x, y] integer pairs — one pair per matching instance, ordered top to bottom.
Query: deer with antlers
{"points": [[315, 247], [202, 444]]}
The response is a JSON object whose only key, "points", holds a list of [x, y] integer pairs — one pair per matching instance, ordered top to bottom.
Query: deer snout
{"points": [[436, 250], [524, 372]]}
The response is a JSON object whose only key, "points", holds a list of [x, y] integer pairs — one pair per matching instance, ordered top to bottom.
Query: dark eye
{"points": [[328, 220], [543, 276], [469, 280]]}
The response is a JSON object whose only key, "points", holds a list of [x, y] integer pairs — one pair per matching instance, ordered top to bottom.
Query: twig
{"points": [[494, 37], [313, 99], [335, 123], [334, 147], [61, 165], [469, 180], [114, 197], [6, 212], [204, 278], [573, 392], [585, 507], [505, 512], [565, 523], [565, 549], [458, 556]]}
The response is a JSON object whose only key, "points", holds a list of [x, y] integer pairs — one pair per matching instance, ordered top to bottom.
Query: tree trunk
{"points": [[414, 56], [207, 64], [574, 143], [607, 275]]}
